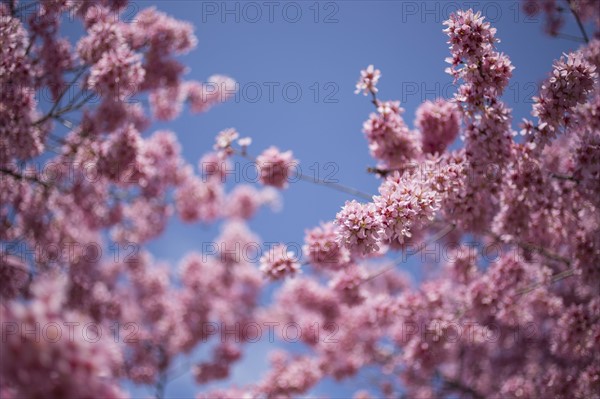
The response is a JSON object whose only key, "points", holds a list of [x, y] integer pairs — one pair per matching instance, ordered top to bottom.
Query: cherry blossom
{"points": [[368, 80], [275, 167], [278, 262], [500, 297]]}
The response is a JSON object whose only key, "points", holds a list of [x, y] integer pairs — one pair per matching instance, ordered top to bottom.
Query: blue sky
{"points": [[320, 48]]}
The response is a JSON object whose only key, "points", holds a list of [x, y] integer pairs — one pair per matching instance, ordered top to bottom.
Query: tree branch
{"points": [[579, 23], [23, 177], [331, 185], [533, 248], [555, 277], [462, 388]]}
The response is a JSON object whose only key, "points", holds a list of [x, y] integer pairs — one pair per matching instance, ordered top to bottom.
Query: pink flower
{"points": [[162, 33], [469, 35], [102, 37], [118, 73], [368, 80], [570, 83], [203, 96], [166, 103], [113, 114], [439, 123], [19, 136], [224, 140], [390, 140], [120, 155], [162, 163], [212, 164], [587, 165], [275, 167], [197, 200], [243, 202], [404, 204], [143, 219], [359, 227], [236, 243], [323, 249], [278, 263], [347, 284], [223, 356], [79, 367], [290, 377]]}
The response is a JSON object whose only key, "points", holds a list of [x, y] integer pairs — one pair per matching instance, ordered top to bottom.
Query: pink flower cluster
{"points": [[470, 37], [472, 45], [117, 74], [368, 80], [570, 83], [217, 89], [167, 102], [439, 124], [21, 132], [487, 134], [390, 140], [224, 142], [120, 154], [587, 165], [275, 167], [106, 176], [198, 200], [526, 200], [404, 204], [359, 227], [323, 249], [278, 263], [347, 283], [507, 300], [61, 364], [218, 369], [289, 376]]}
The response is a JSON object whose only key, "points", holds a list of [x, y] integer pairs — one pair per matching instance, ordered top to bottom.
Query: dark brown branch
{"points": [[374, 99], [378, 171], [23, 177], [564, 177]]}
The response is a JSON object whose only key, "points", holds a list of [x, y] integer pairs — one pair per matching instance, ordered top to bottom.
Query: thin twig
{"points": [[579, 23], [570, 37], [374, 99], [50, 113], [23, 177], [564, 177], [331, 185], [337, 187], [533, 248], [553, 279], [160, 386]]}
